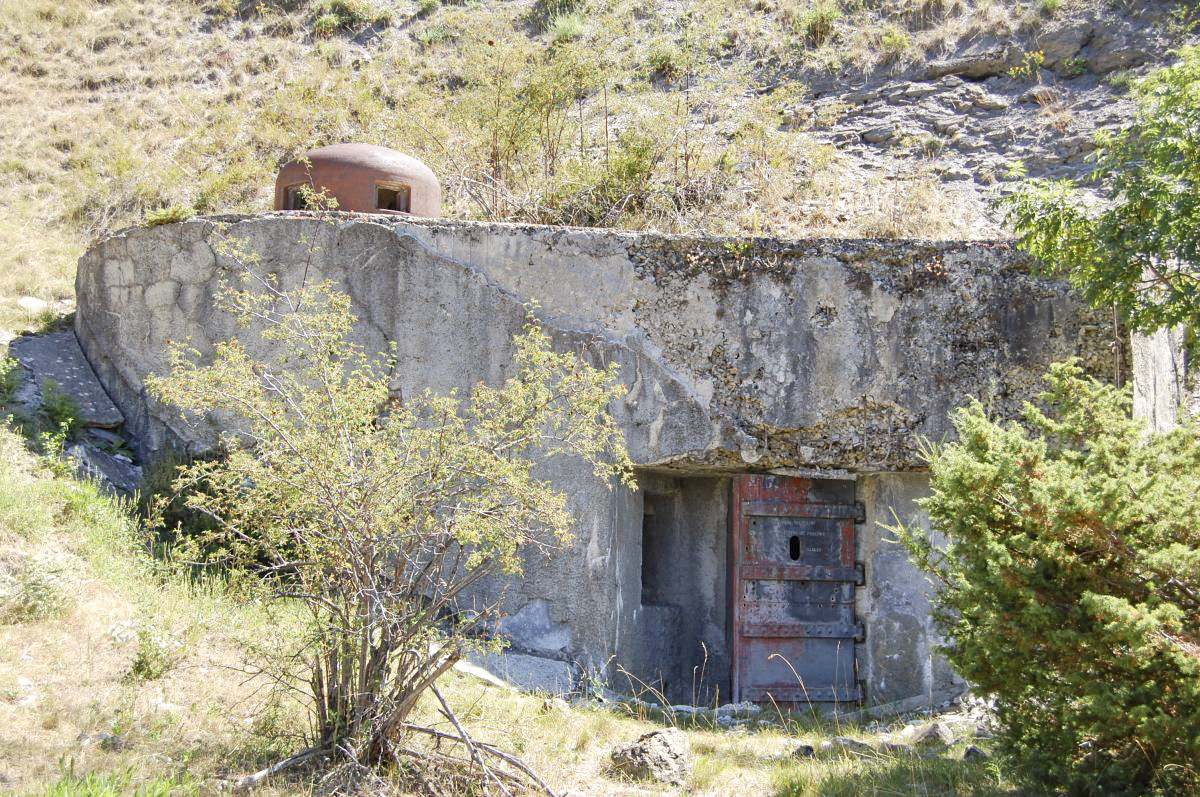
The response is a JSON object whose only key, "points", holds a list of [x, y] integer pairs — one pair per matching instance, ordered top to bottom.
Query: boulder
{"points": [[1064, 40], [971, 65], [32, 304], [556, 705], [746, 709], [931, 736], [896, 748], [973, 753], [664, 756]]}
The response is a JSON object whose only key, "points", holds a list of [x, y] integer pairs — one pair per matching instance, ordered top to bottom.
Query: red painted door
{"points": [[794, 577]]}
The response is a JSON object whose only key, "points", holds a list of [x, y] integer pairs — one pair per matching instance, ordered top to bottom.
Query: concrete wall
{"points": [[793, 356], [1162, 381], [897, 659]]}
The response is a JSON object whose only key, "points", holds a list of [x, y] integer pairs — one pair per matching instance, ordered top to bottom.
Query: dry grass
{"points": [[117, 108], [67, 679]]}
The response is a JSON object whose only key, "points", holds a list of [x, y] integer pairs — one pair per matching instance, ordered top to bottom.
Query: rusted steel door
{"points": [[794, 576]]}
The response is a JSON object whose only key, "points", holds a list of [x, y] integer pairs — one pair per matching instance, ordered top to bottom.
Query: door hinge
{"points": [[860, 513], [860, 574], [860, 630]]}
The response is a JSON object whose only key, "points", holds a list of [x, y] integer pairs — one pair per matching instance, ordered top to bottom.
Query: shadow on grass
{"points": [[897, 776]]}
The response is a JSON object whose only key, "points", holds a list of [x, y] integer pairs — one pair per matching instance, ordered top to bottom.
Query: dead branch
{"points": [[250, 781]]}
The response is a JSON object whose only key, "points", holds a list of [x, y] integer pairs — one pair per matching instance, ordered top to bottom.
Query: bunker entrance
{"points": [[793, 591]]}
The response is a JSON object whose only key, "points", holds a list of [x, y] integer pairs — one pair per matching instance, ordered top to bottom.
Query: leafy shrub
{"points": [[427, 7], [433, 34], [894, 42], [665, 60], [1030, 66], [1072, 67], [599, 196], [169, 215], [1138, 248], [10, 371], [377, 516], [1070, 587], [34, 589], [158, 651]]}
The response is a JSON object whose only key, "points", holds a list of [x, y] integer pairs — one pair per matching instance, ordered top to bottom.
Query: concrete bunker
{"points": [[777, 395]]}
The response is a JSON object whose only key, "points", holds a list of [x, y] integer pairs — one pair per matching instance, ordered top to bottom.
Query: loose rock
{"points": [[32, 304], [555, 705], [931, 736], [104, 740], [844, 744], [896, 748], [804, 751], [973, 753], [664, 756]]}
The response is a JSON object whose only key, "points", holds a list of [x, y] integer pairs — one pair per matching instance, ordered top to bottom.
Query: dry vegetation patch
{"points": [[611, 112]]}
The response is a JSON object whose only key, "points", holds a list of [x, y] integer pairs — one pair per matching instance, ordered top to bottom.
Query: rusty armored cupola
{"points": [[363, 178]]}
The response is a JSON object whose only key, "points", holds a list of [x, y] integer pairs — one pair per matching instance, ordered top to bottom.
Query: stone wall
{"points": [[826, 358]]}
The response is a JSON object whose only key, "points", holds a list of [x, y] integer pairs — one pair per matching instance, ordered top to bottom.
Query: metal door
{"points": [[794, 576]]}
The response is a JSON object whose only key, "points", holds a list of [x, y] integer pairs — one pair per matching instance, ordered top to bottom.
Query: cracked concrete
{"points": [[824, 358]]}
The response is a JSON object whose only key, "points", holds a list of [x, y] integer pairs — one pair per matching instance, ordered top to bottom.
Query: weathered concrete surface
{"points": [[818, 353], [55, 357], [797, 357], [1161, 377], [897, 658], [528, 673]]}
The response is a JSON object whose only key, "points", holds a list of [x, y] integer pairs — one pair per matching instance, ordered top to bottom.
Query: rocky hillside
{"points": [[786, 117]]}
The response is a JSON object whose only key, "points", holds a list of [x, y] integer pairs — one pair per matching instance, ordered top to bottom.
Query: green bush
{"points": [[666, 61], [597, 196], [169, 215], [1138, 248], [10, 376], [1070, 587], [158, 652]]}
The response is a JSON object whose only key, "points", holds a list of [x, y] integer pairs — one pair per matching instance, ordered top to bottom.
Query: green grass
{"points": [[119, 784]]}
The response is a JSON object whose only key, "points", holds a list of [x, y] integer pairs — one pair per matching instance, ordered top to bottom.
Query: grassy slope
{"points": [[623, 113]]}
